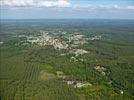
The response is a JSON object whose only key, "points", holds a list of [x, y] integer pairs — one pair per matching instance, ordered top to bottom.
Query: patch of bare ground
{"points": [[46, 76]]}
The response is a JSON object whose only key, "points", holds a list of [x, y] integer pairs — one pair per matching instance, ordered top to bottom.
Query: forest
{"points": [[97, 63]]}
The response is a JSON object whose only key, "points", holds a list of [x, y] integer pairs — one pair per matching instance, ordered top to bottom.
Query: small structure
{"points": [[21, 35], [97, 37], [32, 39], [1, 42], [63, 54], [73, 59], [100, 69], [70, 82], [80, 85], [121, 92]]}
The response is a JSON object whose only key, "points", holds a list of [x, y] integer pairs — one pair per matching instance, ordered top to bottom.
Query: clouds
{"points": [[12, 3], [35, 3], [63, 4], [104, 7], [131, 7], [67, 9]]}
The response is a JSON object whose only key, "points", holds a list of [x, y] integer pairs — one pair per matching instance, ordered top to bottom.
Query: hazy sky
{"points": [[96, 9]]}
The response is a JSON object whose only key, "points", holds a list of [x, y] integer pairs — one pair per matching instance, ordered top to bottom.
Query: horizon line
{"points": [[67, 18]]}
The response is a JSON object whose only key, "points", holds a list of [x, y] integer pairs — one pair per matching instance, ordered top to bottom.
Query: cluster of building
{"points": [[97, 37], [47, 39], [75, 39], [78, 52], [100, 69], [75, 84]]}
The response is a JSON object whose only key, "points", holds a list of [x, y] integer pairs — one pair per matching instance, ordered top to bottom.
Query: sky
{"points": [[67, 9]]}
